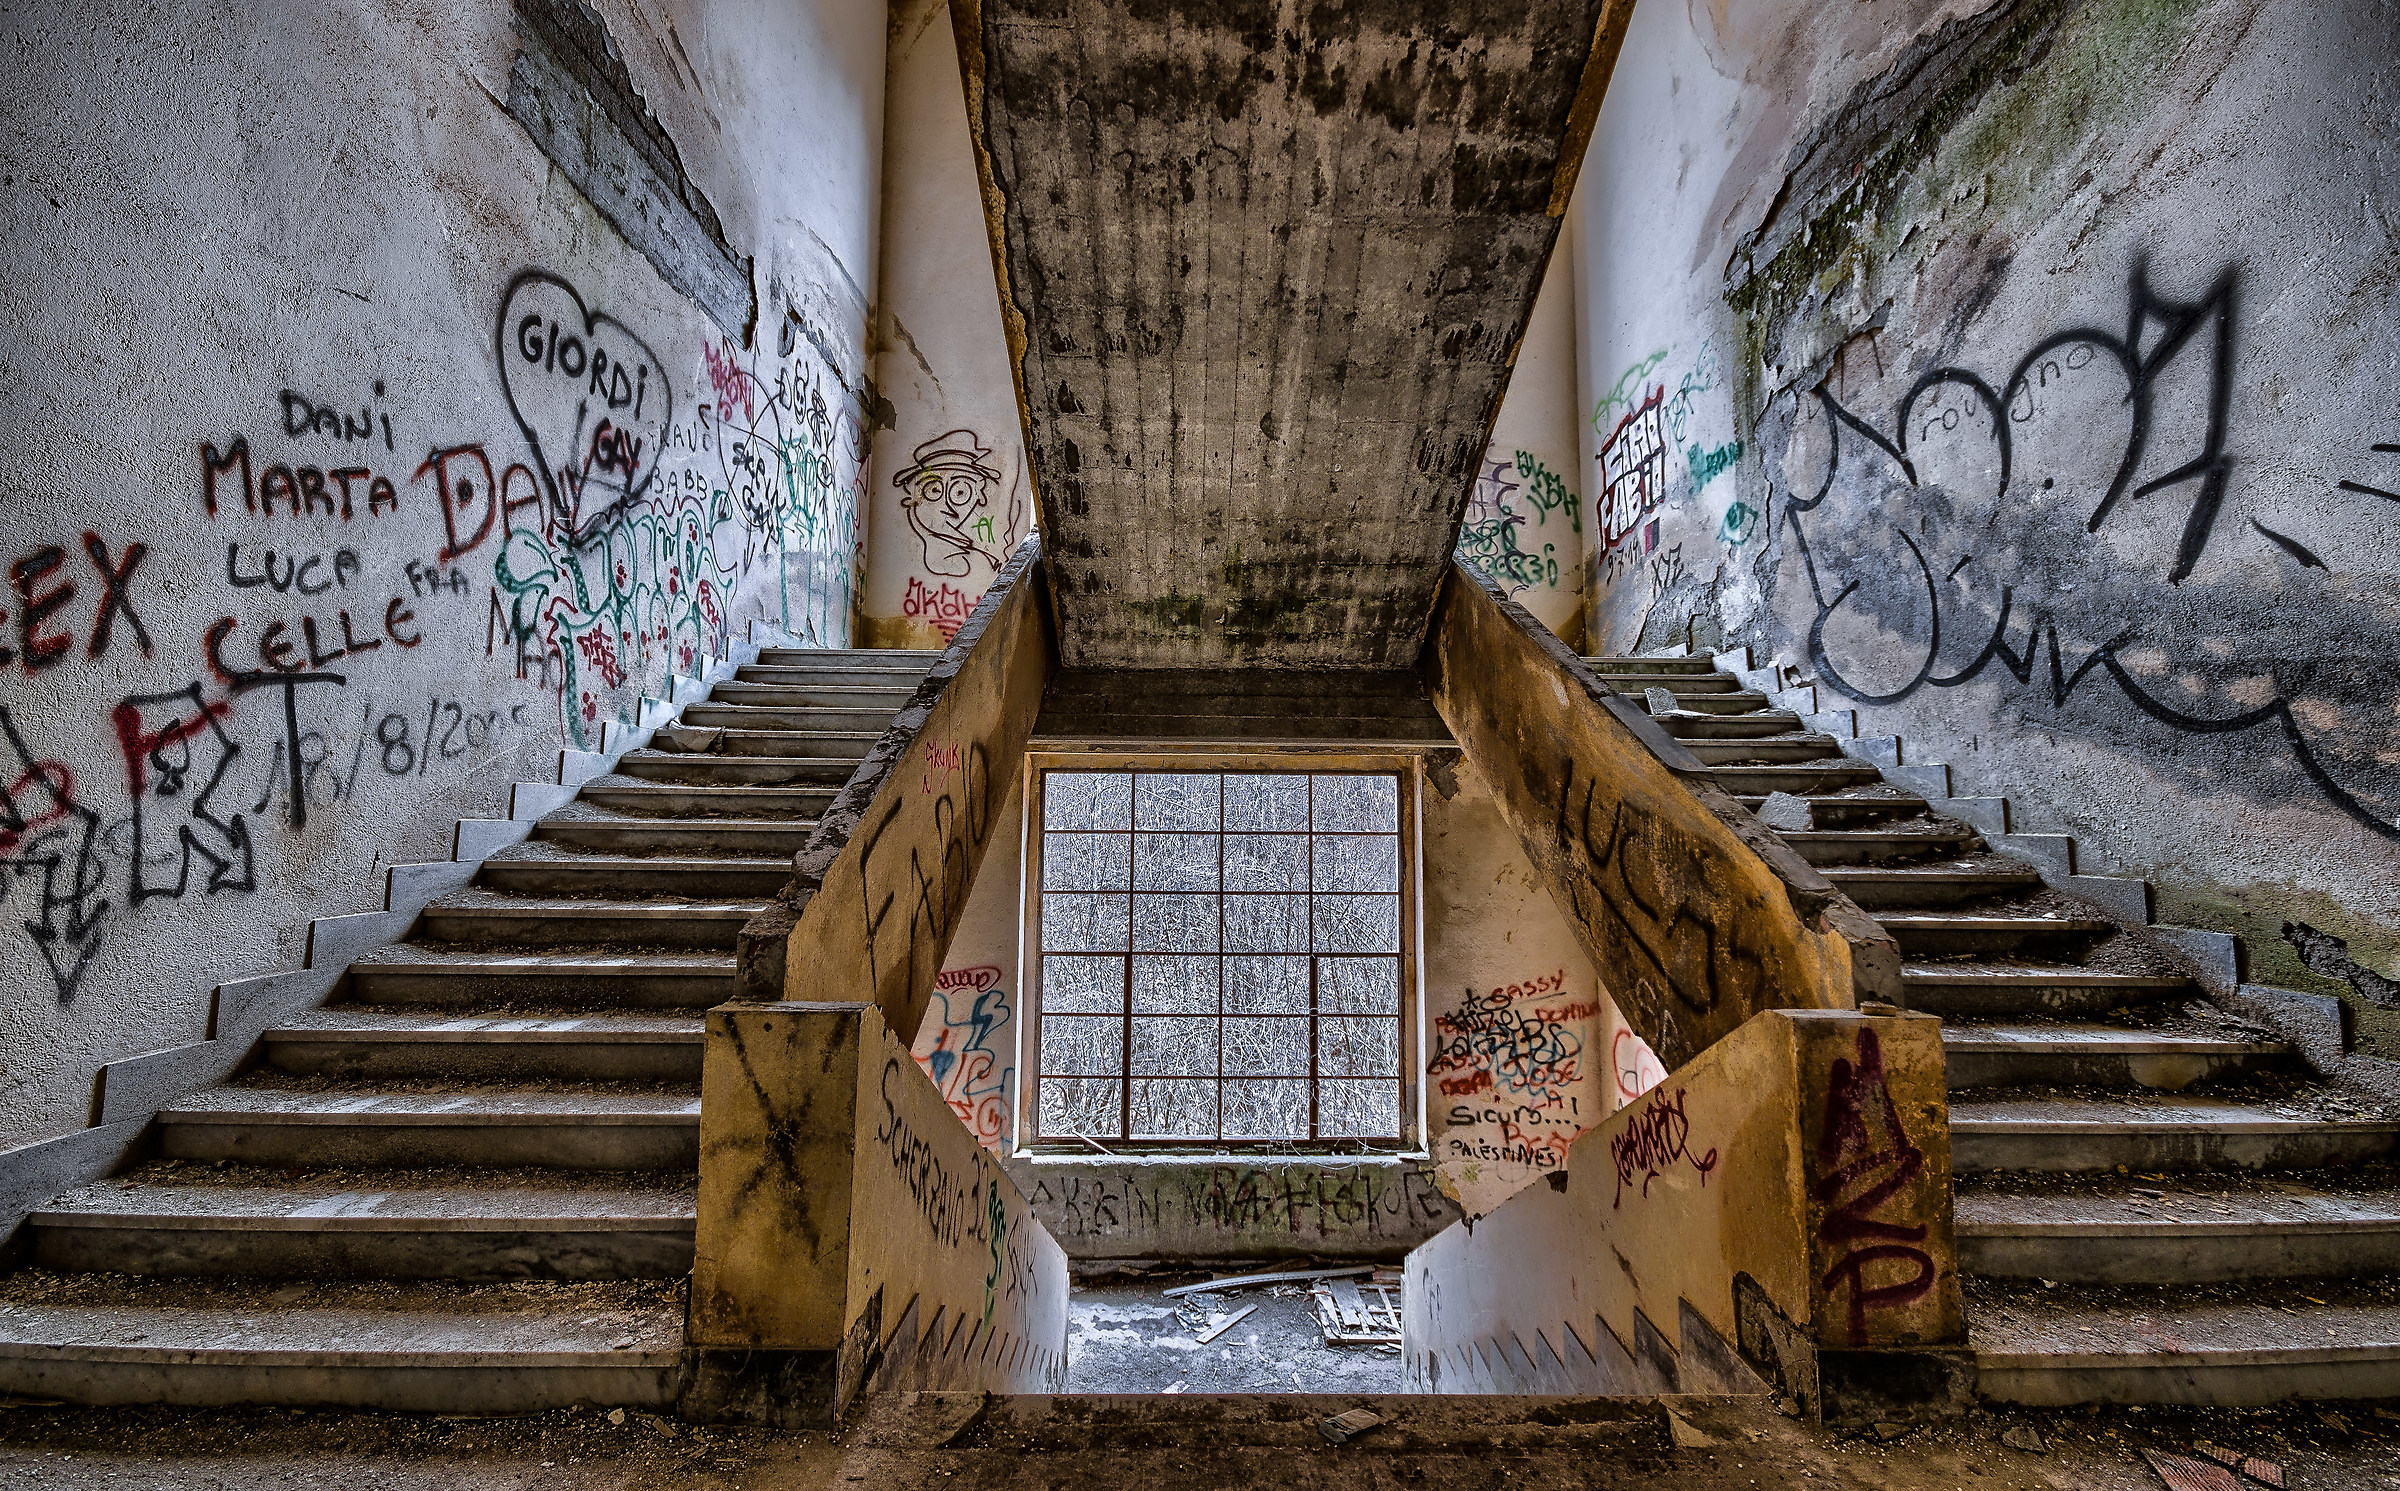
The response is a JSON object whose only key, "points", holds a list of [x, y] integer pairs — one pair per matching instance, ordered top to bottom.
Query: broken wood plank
{"points": [[1245, 1281], [1224, 1323]]}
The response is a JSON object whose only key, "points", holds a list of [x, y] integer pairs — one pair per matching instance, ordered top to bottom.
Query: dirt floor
{"points": [[958, 1442]]}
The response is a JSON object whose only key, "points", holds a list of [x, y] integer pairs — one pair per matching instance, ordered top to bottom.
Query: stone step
{"points": [[917, 660], [1652, 665], [800, 676], [1683, 685], [887, 697], [811, 719], [1688, 726], [804, 744], [1773, 751], [732, 771], [1830, 773], [628, 795], [1833, 812], [731, 838], [1869, 846], [521, 870], [1932, 886], [482, 918], [1995, 934], [421, 974], [1985, 991], [360, 1043], [2098, 1056], [566, 1129], [2189, 1131], [169, 1221], [2180, 1230], [2250, 1346], [423, 1348]]}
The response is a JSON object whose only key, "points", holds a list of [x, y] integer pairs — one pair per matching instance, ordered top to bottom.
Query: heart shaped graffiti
{"points": [[592, 398]]}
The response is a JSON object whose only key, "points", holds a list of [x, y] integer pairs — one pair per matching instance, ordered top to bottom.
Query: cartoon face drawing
{"points": [[949, 484]]}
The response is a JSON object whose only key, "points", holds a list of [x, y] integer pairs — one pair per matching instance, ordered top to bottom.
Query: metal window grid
{"points": [[1309, 834]]}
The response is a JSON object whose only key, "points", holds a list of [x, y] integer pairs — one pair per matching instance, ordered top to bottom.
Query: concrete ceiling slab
{"points": [[1264, 266]]}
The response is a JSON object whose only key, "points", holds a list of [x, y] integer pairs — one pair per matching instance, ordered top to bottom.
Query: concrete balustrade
{"points": [[1697, 917], [1775, 1216], [852, 1234]]}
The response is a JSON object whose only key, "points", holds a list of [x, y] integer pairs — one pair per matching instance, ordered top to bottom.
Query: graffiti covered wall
{"points": [[2022, 379], [407, 464], [951, 498], [1525, 524]]}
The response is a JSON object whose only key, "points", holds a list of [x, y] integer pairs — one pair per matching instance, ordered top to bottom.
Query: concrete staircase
{"points": [[466, 1182], [2158, 1203]]}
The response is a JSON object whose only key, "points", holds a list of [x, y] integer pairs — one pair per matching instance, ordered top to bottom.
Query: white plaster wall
{"points": [[207, 206], [951, 498], [1526, 521], [2228, 728]]}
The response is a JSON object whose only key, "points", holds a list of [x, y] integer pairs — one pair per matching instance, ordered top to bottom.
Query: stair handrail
{"points": [[1695, 914]]}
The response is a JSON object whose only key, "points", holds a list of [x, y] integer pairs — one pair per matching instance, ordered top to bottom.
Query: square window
{"points": [[1088, 799], [1177, 799], [1271, 803], [1355, 804], [1174, 861], [1084, 862], [1272, 862], [1356, 862], [1074, 922], [1174, 924], [1266, 924], [1221, 956], [1174, 985], [1083, 986], [1266, 986], [1083, 1046], [1175, 1046], [1266, 1048]]}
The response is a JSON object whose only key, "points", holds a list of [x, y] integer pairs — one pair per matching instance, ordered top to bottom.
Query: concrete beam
{"points": [[1264, 272], [1695, 915], [1777, 1210], [852, 1235]]}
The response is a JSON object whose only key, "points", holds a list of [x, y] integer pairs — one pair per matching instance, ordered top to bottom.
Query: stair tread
{"points": [[596, 815], [560, 856], [1999, 874], [481, 899], [1995, 919], [419, 957], [2023, 974], [381, 1022], [2101, 1039], [498, 1105], [2140, 1110], [363, 1202], [2119, 1210], [2250, 1322], [366, 1323]]}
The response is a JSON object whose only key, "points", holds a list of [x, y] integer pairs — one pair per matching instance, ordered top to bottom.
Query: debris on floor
{"points": [[1279, 1276], [1358, 1314], [1220, 1324], [1344, 1427]]}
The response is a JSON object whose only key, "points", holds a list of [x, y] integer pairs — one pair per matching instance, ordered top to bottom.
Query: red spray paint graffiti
{"points": [[1654, 1139], [1866, 1158]]}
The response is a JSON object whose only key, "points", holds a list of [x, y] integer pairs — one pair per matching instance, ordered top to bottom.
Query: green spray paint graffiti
{"points": [[1626, 393], [1708, 465], [1492, 536]]}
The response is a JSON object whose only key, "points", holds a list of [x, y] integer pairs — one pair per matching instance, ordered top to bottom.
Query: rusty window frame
{"points": [[1402, 768]]}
